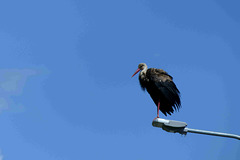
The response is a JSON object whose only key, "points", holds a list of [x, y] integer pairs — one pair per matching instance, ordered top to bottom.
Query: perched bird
{"points": [[161, 88]]}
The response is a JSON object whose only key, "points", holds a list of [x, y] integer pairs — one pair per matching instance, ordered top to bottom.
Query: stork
{"points": [[159, 84]]}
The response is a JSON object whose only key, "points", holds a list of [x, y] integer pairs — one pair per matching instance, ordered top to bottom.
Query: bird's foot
{"points": [[156, 118]]}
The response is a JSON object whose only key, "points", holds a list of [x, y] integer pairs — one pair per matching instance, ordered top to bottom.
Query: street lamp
{"points": [[180, 127]]}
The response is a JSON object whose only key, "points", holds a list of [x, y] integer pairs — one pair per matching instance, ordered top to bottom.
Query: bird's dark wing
{"points": [[161, 87]]}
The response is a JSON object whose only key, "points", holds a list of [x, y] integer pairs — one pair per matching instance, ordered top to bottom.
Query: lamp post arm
{"points": [[181, 127], [212, 133]]}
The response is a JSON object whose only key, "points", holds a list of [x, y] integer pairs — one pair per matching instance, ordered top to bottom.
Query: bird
{"points": [[163, 91]]}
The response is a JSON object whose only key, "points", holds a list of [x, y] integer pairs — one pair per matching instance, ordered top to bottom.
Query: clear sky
{"points": [[66, 90]]}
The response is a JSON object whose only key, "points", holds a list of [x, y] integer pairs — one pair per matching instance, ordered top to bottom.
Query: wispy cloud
{"points": [[12, 82], [1, 156]]}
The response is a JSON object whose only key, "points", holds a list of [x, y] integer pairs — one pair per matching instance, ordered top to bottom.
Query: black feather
{"points": [[161, 88]]}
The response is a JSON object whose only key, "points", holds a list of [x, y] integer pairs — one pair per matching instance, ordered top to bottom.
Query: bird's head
{"points": [[141, 66]]}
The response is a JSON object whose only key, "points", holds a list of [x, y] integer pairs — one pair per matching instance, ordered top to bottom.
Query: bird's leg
{"points": [[158, 107]]}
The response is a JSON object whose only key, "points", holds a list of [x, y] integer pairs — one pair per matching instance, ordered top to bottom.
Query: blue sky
{"points": [[66, 87]]}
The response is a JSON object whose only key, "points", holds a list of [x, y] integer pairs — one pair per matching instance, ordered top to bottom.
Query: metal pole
{"points": [[181, 127], [212, 133]]}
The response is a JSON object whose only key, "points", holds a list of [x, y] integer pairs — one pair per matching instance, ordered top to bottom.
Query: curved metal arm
{"points": [[180, 127], [212, 133]]}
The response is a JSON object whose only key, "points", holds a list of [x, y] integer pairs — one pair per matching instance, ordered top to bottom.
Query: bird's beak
{"points": [[136, 72]]}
